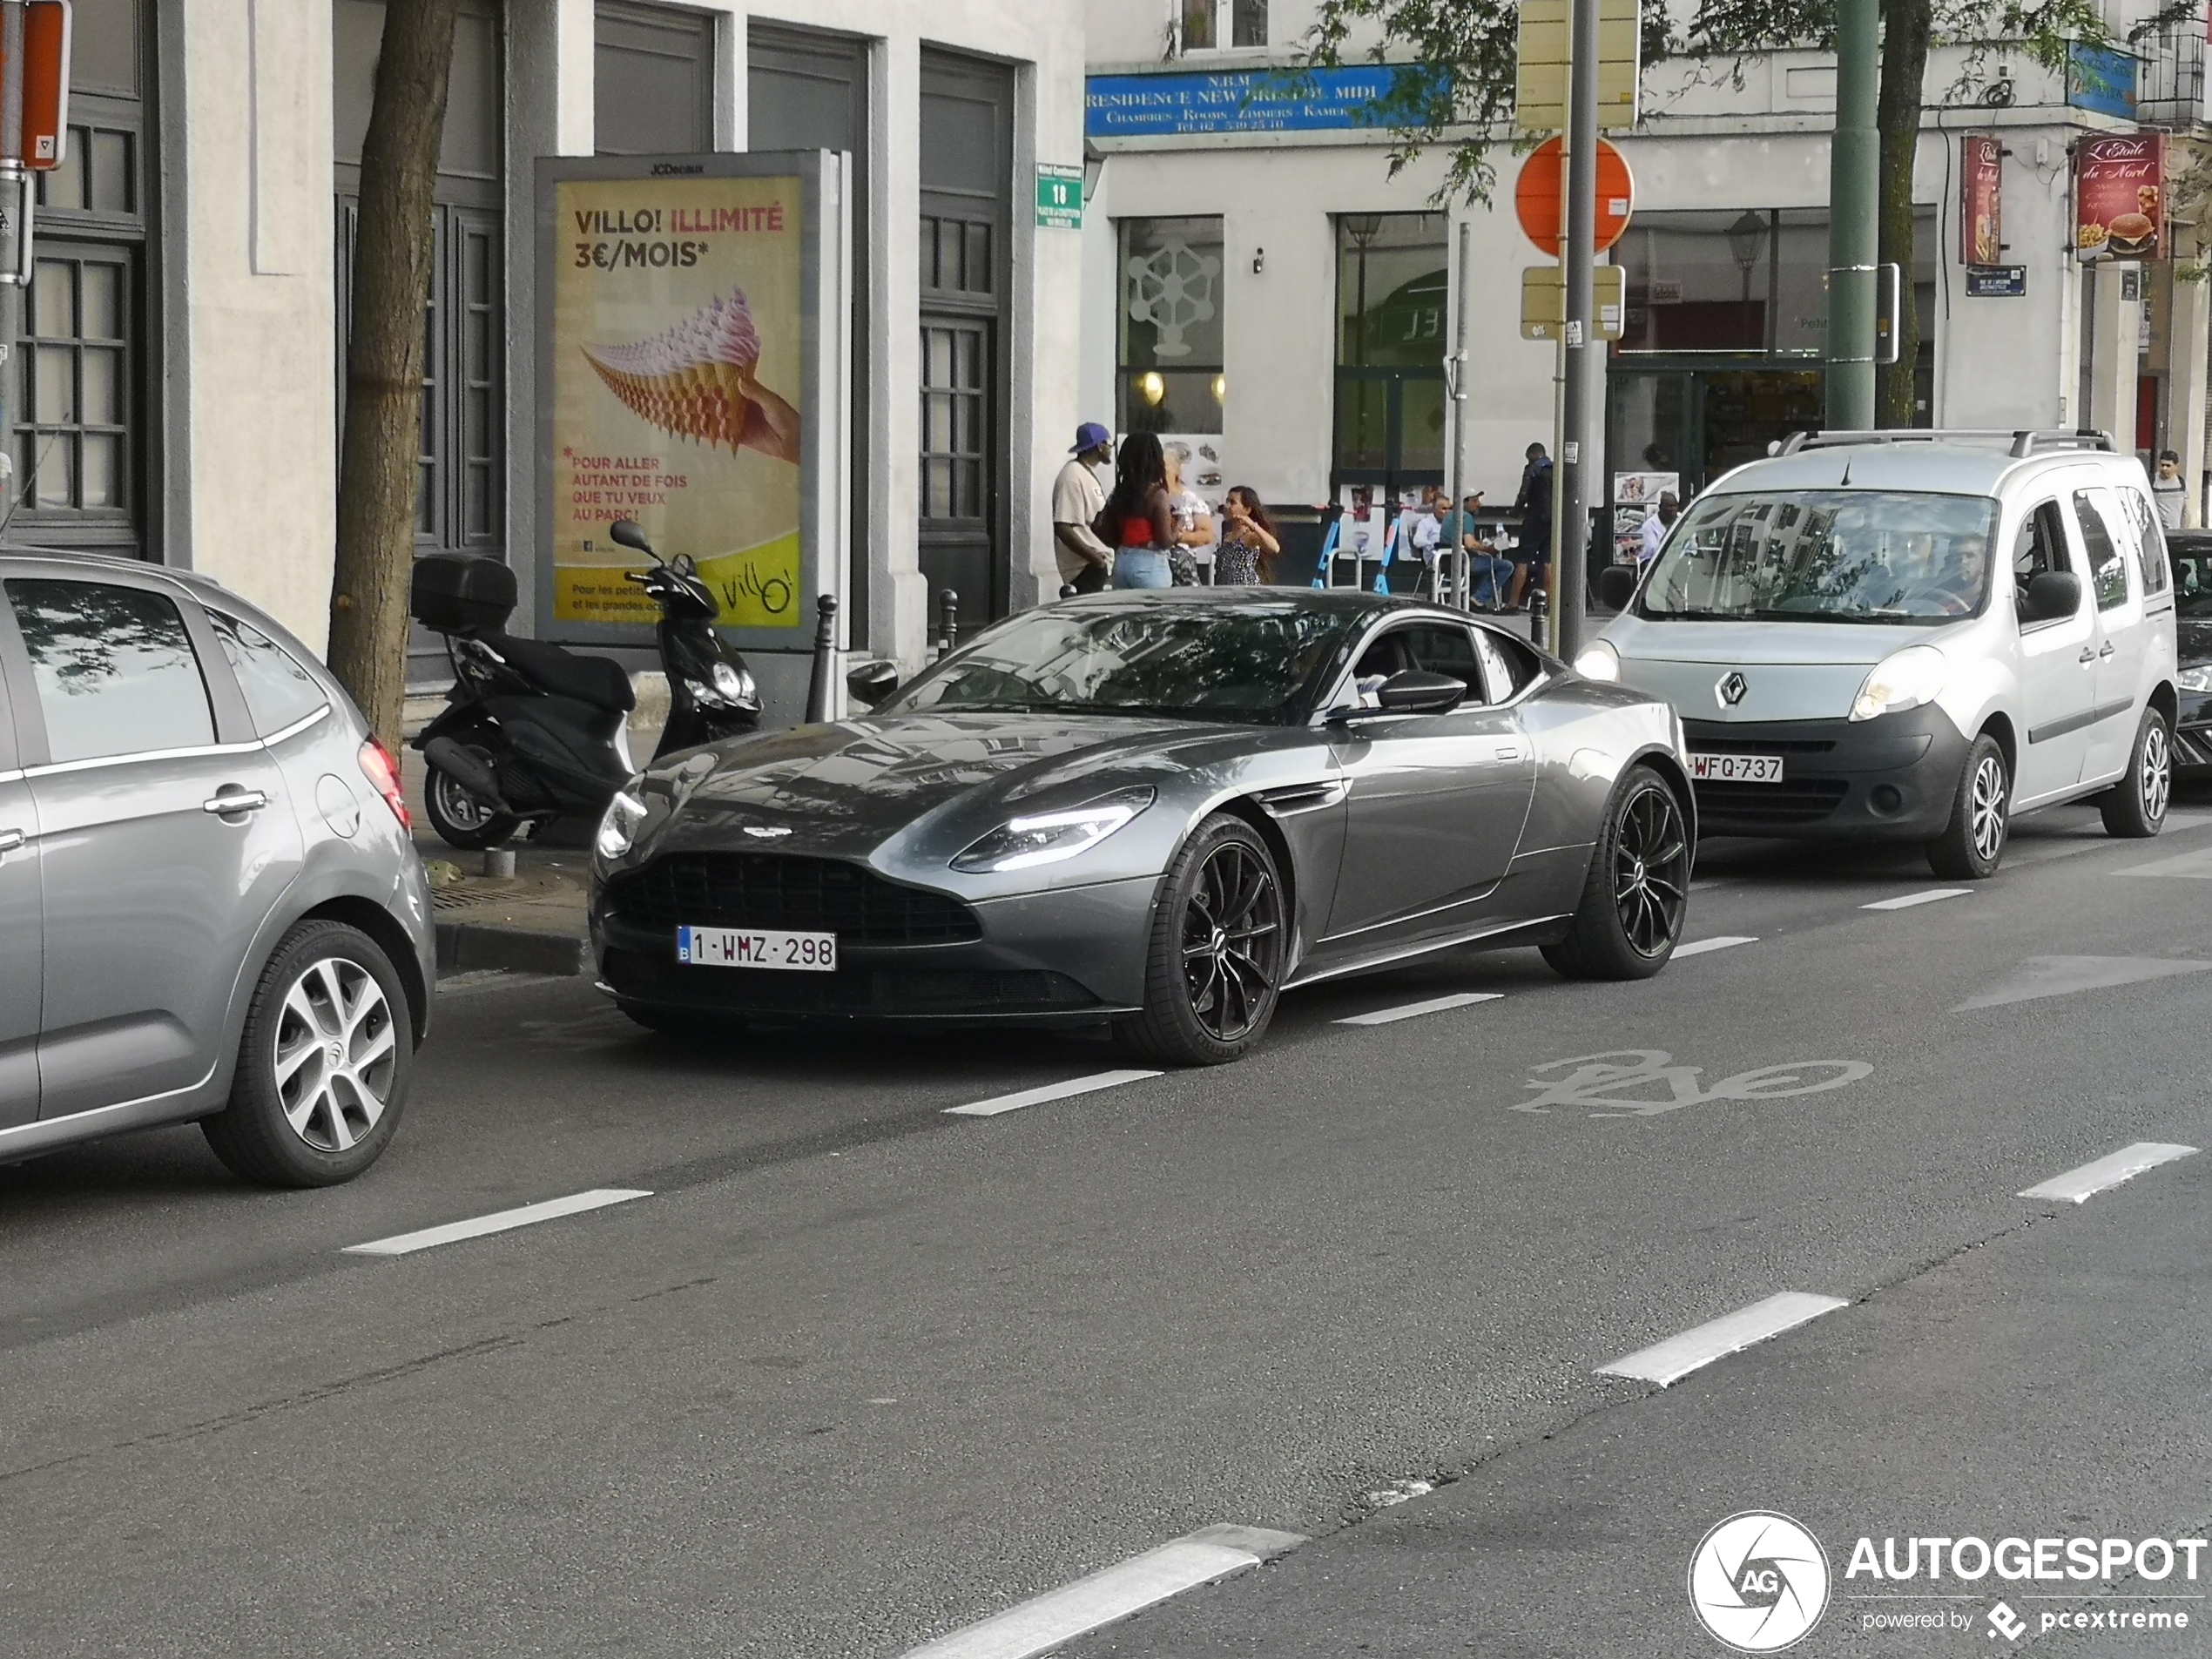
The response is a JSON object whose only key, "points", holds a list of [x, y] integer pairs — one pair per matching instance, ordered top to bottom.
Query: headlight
{"points": [[1599, 661], [1902, 680], [2196, 680], [725, 687], [618, 825], [1046, 838]]}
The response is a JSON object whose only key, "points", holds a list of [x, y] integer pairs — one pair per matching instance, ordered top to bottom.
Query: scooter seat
{"points": [[595, 680]]}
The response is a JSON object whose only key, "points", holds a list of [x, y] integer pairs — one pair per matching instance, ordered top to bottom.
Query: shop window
{"points": [[1215, 25], [1392, 277], [1171, 377]]}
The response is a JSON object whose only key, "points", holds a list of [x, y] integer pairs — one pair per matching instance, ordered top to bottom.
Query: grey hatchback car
{"points": [[210, 905]]}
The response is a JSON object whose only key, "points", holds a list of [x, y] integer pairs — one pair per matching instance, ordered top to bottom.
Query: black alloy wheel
{"points": [[1636, 896], [1219, 942]]}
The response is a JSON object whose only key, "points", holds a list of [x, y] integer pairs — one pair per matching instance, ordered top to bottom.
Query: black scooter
{"points": [[532, 732]]}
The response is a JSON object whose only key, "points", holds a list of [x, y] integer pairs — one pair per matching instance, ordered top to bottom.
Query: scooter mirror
{"points": [[626, 533]]}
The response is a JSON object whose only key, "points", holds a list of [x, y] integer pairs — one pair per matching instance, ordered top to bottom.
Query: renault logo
{"points": [[1732, 689]]}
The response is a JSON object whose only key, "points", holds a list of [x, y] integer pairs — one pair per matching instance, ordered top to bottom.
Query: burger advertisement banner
{"points": [[2120, 198], [1981, 199], [677, 386]]}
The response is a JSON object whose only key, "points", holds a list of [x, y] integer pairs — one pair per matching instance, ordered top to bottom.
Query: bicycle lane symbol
{"points": [[1628, 1082]]}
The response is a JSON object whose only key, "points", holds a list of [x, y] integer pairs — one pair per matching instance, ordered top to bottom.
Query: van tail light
{"points": [[381, 767]]}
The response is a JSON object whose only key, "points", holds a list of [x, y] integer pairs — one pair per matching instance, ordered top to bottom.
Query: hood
{"points": [[1741, 645], [844, 789]]}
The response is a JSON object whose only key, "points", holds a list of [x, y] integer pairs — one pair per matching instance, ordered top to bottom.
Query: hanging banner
{"points": [[1981, 180], [2120, 198], [681, 381]]}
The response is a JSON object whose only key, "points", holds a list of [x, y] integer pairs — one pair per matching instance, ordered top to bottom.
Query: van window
{"points": [[2149, 548], [1907, 557], [2107, 571]]}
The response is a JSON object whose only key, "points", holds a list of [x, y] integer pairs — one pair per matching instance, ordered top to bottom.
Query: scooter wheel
{"points": [[460, 819]]}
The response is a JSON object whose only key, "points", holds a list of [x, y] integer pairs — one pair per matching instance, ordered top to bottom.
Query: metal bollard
{"points": [[1067, 590], [1539, 607], [948, 621], [817, 681], [499, 861]]}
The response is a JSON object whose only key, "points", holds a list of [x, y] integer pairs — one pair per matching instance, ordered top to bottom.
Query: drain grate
{"points": [[464, 894]]}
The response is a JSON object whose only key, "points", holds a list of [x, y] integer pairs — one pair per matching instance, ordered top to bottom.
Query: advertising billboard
{"points": [[2119, 197], [1981, 199], [681, 384]]}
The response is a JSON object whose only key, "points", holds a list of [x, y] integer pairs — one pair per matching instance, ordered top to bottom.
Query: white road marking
{"points": [[2185, 821], [2193, 865], [1911, 899], [1718, 941], [2063, 975], [1435, 1005], [1037, 1096], [2075, 1185], [503, 1221], [1676, 1357], [1045, 1621]]}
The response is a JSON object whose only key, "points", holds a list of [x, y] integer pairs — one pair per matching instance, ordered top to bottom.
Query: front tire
{"points": [[2134, 808], [460, 819], [1973, 844], [1638, 894], [1220, 939], [323, 1064]]}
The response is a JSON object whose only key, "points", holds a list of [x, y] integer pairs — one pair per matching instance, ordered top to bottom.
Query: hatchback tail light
{"points": [[381, 767]]}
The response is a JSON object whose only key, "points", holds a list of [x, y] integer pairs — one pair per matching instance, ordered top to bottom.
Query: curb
{"points": [[466, 945]]}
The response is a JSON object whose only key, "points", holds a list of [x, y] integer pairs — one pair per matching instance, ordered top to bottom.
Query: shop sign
{"points": [[2101, 80], [1178, 104], [1060, 197], [2120, 198], [1981, 199], [1996, 282], [682, 374]]}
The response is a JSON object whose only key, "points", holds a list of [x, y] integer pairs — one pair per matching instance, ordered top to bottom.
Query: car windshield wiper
{"points": [[1692, 614]]}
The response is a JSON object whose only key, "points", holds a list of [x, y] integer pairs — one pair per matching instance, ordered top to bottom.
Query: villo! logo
{"points": [[1758, 1583]]}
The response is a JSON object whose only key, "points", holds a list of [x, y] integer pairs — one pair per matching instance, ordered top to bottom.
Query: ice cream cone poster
{"points": [[678, 390]]}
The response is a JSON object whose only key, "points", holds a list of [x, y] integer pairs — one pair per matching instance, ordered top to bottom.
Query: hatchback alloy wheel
{"points": [[336, 1054]]}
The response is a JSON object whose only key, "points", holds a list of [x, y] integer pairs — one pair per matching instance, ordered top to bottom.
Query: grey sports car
{"points": [[1158, 810]]}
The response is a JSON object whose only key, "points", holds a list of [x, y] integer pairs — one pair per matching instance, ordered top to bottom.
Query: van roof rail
{"points": [[2022, 441]]}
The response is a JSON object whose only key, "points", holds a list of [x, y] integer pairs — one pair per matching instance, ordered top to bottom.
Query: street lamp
{"points": [[1745, 238]]}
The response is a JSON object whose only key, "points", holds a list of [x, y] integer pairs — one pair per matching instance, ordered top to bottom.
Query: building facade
{"points": [[1258, 284], [186, 369]]}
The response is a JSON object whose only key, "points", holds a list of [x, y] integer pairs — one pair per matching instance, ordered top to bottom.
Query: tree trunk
{"points": [[1905, 65], [379, 471]]}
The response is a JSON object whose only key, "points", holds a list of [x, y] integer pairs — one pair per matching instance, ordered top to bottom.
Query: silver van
{"points": [[1913, 637], [210, 905]]}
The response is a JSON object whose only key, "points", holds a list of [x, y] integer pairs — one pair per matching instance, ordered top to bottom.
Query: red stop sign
{"points": [[1539, 202]]}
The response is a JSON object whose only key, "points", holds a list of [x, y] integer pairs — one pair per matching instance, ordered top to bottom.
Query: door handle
{"points": [[2108, 649], [2087, 655], [235, 800], [11, 840]]}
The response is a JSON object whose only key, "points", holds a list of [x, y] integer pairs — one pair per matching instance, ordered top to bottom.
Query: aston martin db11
{"points": [[1157, 811]]}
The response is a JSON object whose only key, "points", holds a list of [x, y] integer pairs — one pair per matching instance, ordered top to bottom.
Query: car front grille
{"points": [[2193, 746], [1793, 801], [764, 890], [853, 992]]}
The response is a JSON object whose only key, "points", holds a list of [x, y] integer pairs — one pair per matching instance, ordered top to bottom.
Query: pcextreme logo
{"points": [[1758, 1581]]}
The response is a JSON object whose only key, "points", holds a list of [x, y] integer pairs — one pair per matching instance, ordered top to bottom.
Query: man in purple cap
{"points": [[1077, 498]]}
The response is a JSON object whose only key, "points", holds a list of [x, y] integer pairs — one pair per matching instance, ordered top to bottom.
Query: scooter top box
{"points": [[455, 593]]}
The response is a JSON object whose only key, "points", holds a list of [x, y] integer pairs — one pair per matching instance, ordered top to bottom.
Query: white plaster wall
{"points": [[250, 305]]}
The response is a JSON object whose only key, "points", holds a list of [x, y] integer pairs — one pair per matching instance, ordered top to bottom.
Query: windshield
{"points": [[1877, 555], [2192, 581], [1240, 662]]}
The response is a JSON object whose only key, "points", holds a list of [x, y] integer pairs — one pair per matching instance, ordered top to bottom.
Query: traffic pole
{"points": [[1854, 176], [15, 241], [1577, 451], [1460, 594]]}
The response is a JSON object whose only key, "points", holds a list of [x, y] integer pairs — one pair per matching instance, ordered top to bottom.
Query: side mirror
{"points": [[625, 532], [1616, 587], [2051, 596], [872, 684], [1415, 692]]}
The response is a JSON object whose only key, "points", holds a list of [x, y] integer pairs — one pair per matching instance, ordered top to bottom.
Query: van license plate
{"points": [[1737, 769], [738, 948]]}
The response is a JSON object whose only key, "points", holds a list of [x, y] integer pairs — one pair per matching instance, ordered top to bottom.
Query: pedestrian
{"points": [[2169, 492], [1137, 518], [1194, 526], [1656, 526], [1249, 542], [1533, 556], [1085, 562]]}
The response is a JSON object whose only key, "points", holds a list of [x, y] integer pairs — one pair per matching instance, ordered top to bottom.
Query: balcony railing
{"points": [[2169, 90]]}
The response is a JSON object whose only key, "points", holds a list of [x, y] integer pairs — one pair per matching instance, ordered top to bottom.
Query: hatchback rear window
{"points": [[114, 667]]}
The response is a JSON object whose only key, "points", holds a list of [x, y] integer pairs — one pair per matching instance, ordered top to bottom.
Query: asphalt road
{"points": [[860, 1372]]}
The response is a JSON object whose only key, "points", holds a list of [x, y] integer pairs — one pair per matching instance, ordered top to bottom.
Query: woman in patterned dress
{"points": [[1246, 556]]}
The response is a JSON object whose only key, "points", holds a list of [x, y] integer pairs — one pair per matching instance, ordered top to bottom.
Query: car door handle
{"points": [[2108, 649], [2087, 655], [1508, 751], [236, 800], [11, 840]]}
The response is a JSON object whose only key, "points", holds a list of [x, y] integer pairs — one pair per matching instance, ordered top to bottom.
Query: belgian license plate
{"points": [[1737, 769], [738, 947]]}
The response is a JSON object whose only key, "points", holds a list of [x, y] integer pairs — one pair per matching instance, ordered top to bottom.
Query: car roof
{"points": [[1940, 468]]}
